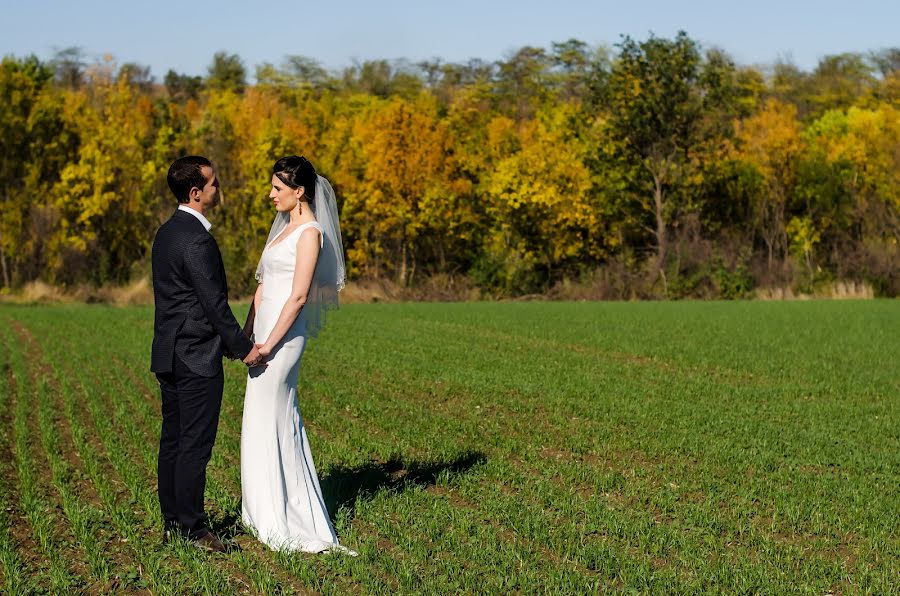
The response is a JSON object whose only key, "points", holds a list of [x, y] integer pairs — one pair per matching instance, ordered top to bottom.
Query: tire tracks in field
{"points": [[128, 385], [136, 432], [218, 475], [75, 478], [461, 502], [62, 534], [538, 552], [23, 559], [164, 571]]}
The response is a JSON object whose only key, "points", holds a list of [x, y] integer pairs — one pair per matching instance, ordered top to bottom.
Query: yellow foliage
{"points": [[770, 140], [539, 194]]}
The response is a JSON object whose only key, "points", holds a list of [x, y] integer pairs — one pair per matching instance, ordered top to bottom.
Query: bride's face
{"points": [[283, 196]]}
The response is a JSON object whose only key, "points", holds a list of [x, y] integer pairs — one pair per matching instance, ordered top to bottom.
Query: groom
{"points": [[193, 326]]}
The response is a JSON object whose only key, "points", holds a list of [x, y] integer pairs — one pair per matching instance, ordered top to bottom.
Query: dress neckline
{"points": [[281, 239]]}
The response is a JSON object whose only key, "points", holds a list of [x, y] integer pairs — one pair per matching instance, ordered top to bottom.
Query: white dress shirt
{"points": [[198, 215]]}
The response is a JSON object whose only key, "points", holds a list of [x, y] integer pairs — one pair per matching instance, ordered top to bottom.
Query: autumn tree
{"points": [[69, 65], [295, 71], [227, 72], [839, 81], [522, 82], [21, 86], [182, 87], [654, 104], [770, 142], [851, 185], [407, 191], [537, 196], [103, 197]]}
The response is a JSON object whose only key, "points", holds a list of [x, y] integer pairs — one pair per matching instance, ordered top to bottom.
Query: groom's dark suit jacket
{"points": [[193, 319]]}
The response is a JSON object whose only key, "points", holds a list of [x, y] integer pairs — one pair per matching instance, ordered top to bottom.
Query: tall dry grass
{"points": [[440, 288], [839, 290], [136, 293]]}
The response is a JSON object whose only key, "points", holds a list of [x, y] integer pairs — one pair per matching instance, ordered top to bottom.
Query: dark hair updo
{"points": [[296, 171]]}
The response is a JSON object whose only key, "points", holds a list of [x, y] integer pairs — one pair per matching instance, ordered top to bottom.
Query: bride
{"points": [[300, 273]]}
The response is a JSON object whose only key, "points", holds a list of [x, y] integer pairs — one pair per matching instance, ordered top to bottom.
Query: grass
{"points": [[484, 448]]}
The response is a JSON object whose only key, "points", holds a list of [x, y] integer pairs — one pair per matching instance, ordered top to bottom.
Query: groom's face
{"points": [[209, 194]]}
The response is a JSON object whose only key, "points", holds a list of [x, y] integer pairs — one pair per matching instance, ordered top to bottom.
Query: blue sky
{"points": [[184, 35]]}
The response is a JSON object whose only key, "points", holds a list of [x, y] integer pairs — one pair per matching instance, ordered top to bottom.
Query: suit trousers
{"points": [[190, 418]]}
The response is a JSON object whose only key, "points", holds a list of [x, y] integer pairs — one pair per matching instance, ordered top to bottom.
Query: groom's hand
{"points": [[253, 358]]}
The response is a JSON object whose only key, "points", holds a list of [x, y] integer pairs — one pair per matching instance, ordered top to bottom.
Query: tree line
{"points": [[655, 168]]}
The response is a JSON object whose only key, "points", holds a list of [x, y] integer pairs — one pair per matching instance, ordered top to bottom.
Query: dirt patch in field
{"points": [[557, 454], [619, 460]]}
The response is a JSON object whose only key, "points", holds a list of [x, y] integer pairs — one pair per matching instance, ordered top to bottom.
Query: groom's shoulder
{"points": [[181, 224], [177, 235]]}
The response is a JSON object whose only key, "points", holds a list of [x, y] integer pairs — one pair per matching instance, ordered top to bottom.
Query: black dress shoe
{"points": [[209, 542]]}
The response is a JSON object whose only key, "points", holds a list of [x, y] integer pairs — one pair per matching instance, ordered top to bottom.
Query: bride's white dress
{"points": [[282, 501]]}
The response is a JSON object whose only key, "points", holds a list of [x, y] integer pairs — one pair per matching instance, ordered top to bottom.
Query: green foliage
{"points": [[69, 67], [296, 71], [227, 73], [182, 87], [657, 95], [519, 173], [734, 282]]}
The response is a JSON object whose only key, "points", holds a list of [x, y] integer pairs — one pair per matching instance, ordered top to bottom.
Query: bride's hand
{"points": [[264, 350]]}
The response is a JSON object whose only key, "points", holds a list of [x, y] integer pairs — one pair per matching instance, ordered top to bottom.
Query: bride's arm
{"points": [[307, 255], [251, 314]]}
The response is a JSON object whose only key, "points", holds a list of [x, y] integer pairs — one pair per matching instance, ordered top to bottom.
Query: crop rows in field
{"points": [[566, 448]]}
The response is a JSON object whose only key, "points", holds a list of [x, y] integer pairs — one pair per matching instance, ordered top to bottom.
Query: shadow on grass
{"points": [[344, 486]]}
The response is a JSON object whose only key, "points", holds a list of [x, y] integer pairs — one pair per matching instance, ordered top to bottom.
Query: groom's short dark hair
{"points": [[184, 174]]}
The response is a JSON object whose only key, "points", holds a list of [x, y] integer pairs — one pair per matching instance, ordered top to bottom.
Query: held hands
{"points": [[255, 358]]}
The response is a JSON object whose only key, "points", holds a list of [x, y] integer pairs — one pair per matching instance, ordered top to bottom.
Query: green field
{"points": [[485, 448]]}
